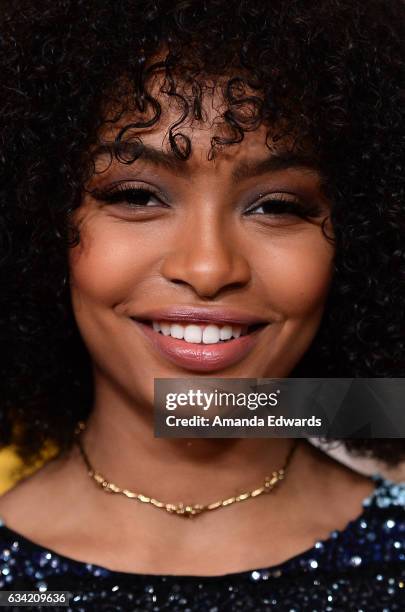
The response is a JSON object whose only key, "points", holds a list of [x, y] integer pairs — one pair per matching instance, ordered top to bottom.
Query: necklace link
{"points": [[180, 509]]}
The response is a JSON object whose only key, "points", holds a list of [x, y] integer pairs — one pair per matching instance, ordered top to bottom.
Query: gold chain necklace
{"points": [[185, 510]]}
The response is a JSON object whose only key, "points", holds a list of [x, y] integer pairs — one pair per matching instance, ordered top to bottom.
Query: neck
{"points": [[119, 443]]}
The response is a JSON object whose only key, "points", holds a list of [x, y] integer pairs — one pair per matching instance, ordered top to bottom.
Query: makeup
{"points": [[201, 338], [199, 356]]}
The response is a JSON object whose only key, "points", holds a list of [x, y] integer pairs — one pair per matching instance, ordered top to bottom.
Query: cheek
{"points": [[110, 260], [295, 272]]}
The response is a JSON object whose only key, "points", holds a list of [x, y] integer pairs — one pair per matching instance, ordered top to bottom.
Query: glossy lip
{"points": [[200, 314], [200, 357]]}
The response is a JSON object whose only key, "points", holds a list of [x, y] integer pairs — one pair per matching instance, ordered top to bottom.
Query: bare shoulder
{"points": [[341, 486], [33, 500]]}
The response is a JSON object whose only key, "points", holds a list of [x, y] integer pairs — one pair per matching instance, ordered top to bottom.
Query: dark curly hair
{"points": [[330, 73]]}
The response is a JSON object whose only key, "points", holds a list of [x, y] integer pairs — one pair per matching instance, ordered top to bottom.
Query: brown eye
{"points": [[132, 196], [283, 206], [276, 207]]}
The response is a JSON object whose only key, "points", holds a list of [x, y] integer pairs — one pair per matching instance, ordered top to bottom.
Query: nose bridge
{"points": [[206, 254]]}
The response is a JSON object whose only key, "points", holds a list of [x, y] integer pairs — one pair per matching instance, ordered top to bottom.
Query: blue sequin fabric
{"points": [[361, 569]]}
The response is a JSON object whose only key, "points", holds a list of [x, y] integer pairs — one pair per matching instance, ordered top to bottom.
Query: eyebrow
{"points": [[129, 152], [281, 160]]}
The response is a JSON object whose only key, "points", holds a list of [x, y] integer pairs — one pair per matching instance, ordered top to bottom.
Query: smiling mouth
{"points": [[201, 333], [203, 346]]}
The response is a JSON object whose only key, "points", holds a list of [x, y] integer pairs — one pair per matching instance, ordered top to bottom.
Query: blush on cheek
{"points": [[113, 261], [102, 266], [98, 277], [298, 279], [305, 291]]}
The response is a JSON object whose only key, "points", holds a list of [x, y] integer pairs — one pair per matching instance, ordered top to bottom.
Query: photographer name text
{"points": [[253, 421]]}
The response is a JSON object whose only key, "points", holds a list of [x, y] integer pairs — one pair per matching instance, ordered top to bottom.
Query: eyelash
{"points": [[121, 195], [281, 205], [284, 206]]}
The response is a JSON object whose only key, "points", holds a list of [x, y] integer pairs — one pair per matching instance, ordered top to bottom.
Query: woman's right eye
{"points": [[134, 197]]}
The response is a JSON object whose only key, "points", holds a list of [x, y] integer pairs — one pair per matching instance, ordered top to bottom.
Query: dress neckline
{"points": [[335, 535]]}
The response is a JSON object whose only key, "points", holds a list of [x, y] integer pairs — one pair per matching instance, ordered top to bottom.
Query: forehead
{"points": [[221, 131], [154, 146]]}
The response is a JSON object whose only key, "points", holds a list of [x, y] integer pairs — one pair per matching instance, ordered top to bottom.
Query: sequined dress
{"points": [[361, 568]]}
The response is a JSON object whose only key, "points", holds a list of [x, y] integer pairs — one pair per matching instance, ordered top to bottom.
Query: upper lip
{"points": [[201, 314]]}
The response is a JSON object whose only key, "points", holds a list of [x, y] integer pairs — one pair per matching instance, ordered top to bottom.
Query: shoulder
{"points": [[29, 494], [387, 494], [15, 501], [383, 518], [381, 528], [376, 538], [369, 543]]}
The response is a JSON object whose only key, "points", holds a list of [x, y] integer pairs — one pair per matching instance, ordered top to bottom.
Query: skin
{"points": [[199, 248]]}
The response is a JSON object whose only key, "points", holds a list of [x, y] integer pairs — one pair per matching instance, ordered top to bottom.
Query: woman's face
{"points": [[199, 267]]}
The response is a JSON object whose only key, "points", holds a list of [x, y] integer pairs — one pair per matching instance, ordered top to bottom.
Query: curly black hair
{"points": [[330, 73]]}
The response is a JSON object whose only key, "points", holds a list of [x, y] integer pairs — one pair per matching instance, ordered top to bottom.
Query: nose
{"points": [[206, 258]]}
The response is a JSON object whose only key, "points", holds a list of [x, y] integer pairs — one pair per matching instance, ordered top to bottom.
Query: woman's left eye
{"points": [[282, 206]]}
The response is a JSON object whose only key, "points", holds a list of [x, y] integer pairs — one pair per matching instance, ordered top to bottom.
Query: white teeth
{"points": [[165, 329], [177, 331], [236, 332], [193, 333], [225, 333], [197, 334], [210, 334]]}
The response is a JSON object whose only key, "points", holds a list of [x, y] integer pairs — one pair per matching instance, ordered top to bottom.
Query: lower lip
{"points": [[201, 357]]}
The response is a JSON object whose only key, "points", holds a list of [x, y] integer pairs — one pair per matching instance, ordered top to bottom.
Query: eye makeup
{"points": [[134, 196], [285, 204]]}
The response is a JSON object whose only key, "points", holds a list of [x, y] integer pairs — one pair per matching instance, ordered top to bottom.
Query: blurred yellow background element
{"points": [[9, 463], [12, 468]]}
